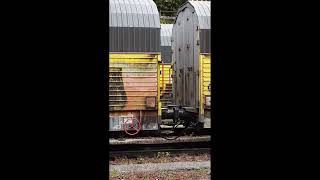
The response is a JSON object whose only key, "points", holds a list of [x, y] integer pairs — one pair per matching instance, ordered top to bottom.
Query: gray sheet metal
{"points": [[202, 10], [133, 13], [134, 26], [166, 32], [191, 36], [129, 39], [205, 41], [166, 54]]}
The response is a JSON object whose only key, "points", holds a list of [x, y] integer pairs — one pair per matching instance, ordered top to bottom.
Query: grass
{"points": [[163, 156], [140, 160], [113, 173]]}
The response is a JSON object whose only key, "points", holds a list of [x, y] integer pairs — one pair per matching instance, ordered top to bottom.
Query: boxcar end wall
{"points": [[134, 90]]}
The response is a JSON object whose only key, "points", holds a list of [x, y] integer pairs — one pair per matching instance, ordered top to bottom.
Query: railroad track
{"points": [[121, 134], [150, 149]]}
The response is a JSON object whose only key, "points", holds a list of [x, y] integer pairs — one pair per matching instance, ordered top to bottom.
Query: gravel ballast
{"points": [[160, 166], [199, 174]]}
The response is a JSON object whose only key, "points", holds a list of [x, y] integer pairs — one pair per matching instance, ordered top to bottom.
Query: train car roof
{"points": [[202, 10], [133, 13], [166, 32]]}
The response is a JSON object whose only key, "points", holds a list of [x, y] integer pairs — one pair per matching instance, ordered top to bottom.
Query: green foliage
{"points": [[168, 5], [168, 8], [166, 21], [140, 160], [113, 173]]}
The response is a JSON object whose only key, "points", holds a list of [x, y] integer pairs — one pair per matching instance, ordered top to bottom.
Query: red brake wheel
{"points": [[136, 129]]}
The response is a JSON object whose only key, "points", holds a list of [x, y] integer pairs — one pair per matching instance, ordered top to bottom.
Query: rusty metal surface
{"points": [[133, 83], [148, 119], [158, 140]]}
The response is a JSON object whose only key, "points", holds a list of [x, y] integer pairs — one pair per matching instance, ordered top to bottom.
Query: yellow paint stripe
{"points": [[131, 56]]}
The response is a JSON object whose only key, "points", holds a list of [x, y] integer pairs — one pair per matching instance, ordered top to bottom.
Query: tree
{"points": [[168, 5], [168, 8]]}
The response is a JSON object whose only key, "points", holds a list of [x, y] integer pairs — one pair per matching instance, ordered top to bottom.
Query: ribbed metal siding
{"points": [[202, 9], [133, 13], [134, 26], [166, 32], [191, 36], [134, 39], [205, 41], [166, 54], [133, 79]]}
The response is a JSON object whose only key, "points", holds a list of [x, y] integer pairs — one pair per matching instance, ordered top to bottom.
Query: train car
{"points": [[191, 36], [134, 57], [165, 65]]}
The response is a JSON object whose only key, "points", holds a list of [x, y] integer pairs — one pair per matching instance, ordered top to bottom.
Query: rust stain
{"points": [[130, 85]]}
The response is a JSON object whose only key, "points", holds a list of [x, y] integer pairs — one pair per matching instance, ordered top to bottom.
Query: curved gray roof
{"points": [[203, 11], [133, 13], [166, 32]]}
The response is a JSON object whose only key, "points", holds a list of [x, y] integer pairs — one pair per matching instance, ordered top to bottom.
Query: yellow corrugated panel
{"points": [[137, 57], [166, 72], [132, 78], [205, 79], [165, 83]]}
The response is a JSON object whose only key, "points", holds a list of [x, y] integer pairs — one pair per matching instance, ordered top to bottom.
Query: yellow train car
{"points": [[134, 46], [166, 66], [165, 81], [205, 88], [134, 91]]}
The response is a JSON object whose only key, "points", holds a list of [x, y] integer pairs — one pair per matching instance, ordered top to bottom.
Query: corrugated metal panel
{"points": [[202, 10], [133, 13], [134, 26], [166, 32], [191, 36], [205, 41], [166, 54], [185, 55], [133, 79], [165, 84], [205, 111]]}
